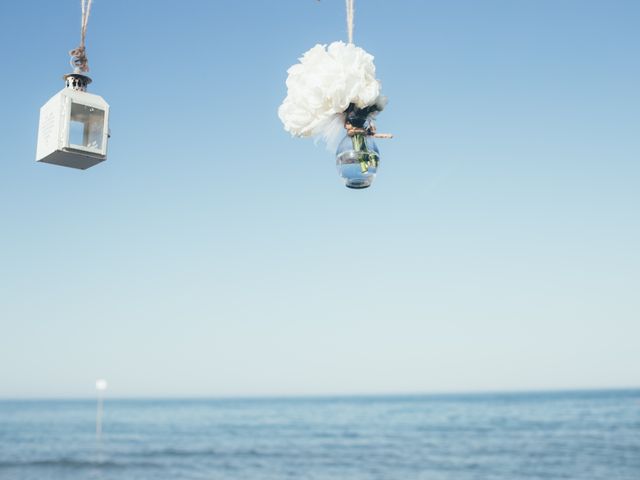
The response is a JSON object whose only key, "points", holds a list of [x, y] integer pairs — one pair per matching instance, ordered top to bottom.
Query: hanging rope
{"points": [[350, 12], [79, 60]]}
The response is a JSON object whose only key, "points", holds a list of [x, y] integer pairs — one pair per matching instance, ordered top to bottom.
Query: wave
{"points": [[176, 452], [202, 452], [161, 453], [73, 463]]}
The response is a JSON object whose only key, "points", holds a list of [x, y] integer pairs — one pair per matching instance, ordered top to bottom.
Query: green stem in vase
{"points": [[360, 146], [373, 159]]}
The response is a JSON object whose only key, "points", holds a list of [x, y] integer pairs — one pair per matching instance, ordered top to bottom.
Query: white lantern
{"points": [[74, 126]]}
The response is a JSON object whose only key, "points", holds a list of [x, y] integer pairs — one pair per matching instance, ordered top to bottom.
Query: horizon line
{"points": [[320, 396]]}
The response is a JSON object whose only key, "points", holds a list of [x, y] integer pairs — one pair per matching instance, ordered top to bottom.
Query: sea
{"points": [[586, 435]]}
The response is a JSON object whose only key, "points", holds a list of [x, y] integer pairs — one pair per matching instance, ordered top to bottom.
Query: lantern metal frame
{"points": [[55, 144]]}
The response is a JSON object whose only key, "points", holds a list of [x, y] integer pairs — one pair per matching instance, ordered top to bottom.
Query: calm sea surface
{"points": [[579, 435]]}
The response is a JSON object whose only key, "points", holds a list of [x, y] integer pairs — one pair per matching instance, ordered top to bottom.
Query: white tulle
{"points": [[331, 132]]}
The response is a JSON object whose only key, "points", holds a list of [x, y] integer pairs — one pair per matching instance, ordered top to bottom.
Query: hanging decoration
{"points": [[333, 93], [74, 124]]}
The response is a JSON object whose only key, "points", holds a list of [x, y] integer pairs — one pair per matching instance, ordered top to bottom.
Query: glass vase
{"points": [[357, 157], [357, 160]]}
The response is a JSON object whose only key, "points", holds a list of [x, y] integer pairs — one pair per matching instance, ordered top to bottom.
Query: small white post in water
{"points": [[101, 386]]}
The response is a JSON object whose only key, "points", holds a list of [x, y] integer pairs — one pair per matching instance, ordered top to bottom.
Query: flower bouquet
{"points": [[334, 88]]}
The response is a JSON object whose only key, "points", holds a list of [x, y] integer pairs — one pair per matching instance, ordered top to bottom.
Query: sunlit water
{"points": [[585, 436]]}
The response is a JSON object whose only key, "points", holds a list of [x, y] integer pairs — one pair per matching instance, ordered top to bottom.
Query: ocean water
{"points": [[570, 435]]}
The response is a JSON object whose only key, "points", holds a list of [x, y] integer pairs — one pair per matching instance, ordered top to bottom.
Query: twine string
{"points": [[350, 18], [79, 60], [370, 131]]}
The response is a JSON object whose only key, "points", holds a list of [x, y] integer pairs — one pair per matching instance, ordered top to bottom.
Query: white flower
{"points": [[324, 83]]}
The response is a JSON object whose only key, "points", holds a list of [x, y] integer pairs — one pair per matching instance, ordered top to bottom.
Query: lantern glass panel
{"points": [[86, 127]]}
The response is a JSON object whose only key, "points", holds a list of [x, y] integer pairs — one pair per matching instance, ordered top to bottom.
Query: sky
{"points": [[213, 254]]}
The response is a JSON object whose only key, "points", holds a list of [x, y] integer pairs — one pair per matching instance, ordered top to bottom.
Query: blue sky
{"points": [[212, 254]]}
